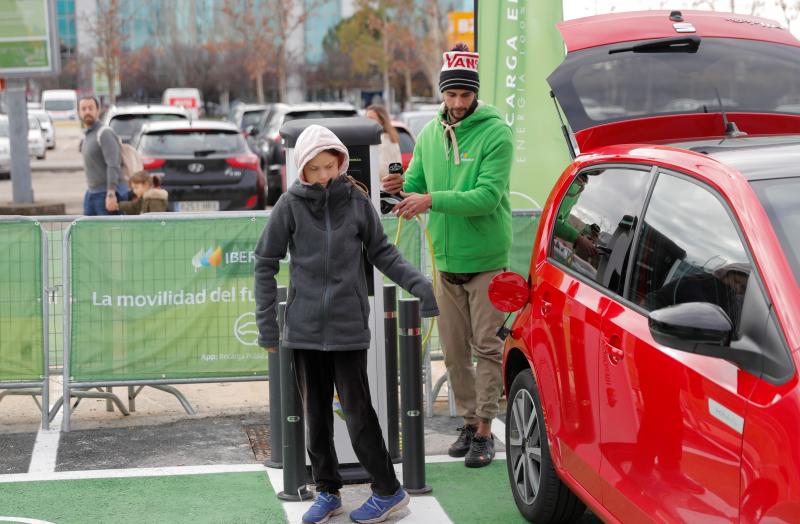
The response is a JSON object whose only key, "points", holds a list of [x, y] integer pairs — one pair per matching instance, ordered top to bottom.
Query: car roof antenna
{"points": [[564, 130], [731, 130]]}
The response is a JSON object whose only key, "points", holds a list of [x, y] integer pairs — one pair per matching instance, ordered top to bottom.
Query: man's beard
{"points": [[89, 124]]}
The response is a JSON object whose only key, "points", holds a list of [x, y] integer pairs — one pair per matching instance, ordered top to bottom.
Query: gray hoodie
{"points": [[324, 230]]}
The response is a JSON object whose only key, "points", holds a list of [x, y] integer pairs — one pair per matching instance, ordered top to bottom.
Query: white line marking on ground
{"points": [[499, 429], [45, 449], [134, 472]]}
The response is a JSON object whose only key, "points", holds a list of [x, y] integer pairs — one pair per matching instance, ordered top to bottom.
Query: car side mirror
{"points": [[509, 292], [701, 328]]}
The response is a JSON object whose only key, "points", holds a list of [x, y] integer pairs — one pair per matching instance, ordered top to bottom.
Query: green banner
{"points": [[24, 36], [519, 47], [171, 299], [21, 308]]}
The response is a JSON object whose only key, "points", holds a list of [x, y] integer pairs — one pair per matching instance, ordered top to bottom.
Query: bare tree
{"points": [[790, 11], [108, 29], [264, 31], [432, 33]]}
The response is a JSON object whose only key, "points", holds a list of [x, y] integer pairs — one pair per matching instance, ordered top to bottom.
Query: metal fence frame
{"points": [[33, 387]]}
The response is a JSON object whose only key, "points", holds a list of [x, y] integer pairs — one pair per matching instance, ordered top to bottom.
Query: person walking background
{"points": [[390, 141], [101, 161], [460, 173], [324, 221]]}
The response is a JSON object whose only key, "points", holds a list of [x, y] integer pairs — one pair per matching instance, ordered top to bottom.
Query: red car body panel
{"points": [[599, 30], [670, 128], [592, 404]]}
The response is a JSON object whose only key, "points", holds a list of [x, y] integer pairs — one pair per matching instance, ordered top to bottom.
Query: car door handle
{"points": [[614, 352]]}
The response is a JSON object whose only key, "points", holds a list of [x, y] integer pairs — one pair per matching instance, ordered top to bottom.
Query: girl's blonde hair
{"points": [[386, 122]]}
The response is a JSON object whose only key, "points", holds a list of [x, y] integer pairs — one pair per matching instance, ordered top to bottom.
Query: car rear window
{"points": [[595, 86], [59, 105], [252, 118], [129, 125], [192, 143], [779, 198]]}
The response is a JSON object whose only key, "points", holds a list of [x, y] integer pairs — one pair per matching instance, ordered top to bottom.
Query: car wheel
{"points": [[42, 156], [539, 493]]}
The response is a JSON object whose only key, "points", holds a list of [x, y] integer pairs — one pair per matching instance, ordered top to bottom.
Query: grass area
{"points": [[474, 495], [221, 498]]}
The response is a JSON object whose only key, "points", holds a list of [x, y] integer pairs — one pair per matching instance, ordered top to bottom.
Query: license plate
{"points": [[197, 206]]}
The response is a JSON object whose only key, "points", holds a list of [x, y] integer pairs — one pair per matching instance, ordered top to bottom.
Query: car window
{"points": [[59, 105], [251, 118], [128, 125], [4, 127], [406, 142], [192, 143], [780, 201], [596, 220], [689, 250]]}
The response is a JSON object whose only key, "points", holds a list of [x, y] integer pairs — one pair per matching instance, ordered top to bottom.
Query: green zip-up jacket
{"points": [[470, 216]]}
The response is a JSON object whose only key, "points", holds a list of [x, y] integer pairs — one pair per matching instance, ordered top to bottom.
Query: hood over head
{"points": [[314, 140]]}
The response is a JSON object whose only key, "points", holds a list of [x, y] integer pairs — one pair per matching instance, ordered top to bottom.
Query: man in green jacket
{"points": [[460, 173]]}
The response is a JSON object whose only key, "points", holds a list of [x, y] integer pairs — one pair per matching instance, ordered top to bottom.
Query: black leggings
{"points": [[317, 373]]}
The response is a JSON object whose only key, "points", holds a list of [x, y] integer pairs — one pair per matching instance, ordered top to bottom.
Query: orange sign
{"points": [[461, 28]]}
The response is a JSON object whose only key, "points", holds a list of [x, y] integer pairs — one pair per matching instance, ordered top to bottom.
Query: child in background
{"points": [[148, 197], [325, 221]]}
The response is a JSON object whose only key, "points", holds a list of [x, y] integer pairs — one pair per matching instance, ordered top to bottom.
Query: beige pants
{"points": [[468, 324]]}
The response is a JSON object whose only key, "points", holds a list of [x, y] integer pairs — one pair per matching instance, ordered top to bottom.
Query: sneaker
{"points": [[462, 444], [481, 452], [324, 507], [378, 509]]}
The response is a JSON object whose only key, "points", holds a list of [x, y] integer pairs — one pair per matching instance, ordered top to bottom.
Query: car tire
{"points": [[551, 501]]}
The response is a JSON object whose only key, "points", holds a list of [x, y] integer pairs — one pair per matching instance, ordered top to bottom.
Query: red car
{"points": [[652, 368]]}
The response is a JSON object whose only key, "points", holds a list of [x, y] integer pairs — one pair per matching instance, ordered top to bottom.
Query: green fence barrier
{"points": [[156, 299], [21, 305]]}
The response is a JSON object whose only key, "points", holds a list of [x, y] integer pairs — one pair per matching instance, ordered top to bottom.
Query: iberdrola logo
{"points": [[207, 258]]}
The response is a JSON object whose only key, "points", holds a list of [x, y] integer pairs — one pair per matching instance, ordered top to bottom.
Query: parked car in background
{"points": [[188, 98], [61, 104], [248, 115], [416, 120], [126, 121], [46, 123], [266, 139], [407, 142], [37, 144], [5, 149], [205, 165], [652, 369]]}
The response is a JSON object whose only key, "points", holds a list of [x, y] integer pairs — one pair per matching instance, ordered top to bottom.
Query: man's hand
{"points": [[392, 183], [111, 202], [413, 204], [585, 245], [272, 349]]}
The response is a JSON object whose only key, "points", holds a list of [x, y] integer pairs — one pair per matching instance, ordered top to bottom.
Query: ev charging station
{"points": [[362, 137]]}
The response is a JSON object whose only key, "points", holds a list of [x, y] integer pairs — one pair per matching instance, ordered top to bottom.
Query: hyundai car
{"points": [[204, 165], [652, 366]]}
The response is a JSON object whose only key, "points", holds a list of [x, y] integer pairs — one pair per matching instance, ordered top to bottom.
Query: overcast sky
{"points": [[768, 8]]}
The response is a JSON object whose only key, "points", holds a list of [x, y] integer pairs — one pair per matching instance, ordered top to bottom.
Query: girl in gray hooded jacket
{"points": [[325, 222]]}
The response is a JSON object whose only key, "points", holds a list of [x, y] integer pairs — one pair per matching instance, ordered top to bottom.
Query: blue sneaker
{"points": [[324, 507], [378, 509]]}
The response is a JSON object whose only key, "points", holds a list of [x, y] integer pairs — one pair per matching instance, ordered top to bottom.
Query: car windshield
{"points": [[599, 85], [59, 105], [129, 125], [4, 127], [192, 143], [779, 198]]}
